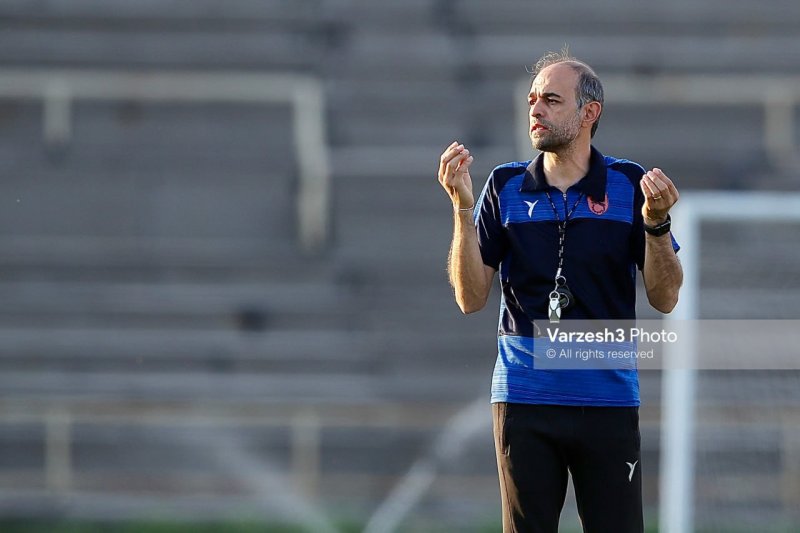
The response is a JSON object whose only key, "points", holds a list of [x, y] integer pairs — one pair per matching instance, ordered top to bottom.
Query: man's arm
{"points": [[663, 274], [470, 278]]}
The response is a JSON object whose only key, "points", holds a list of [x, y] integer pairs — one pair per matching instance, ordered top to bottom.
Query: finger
{"points": [[449, 149], [452, 151], [448, 156], [462, 157], [456, 162], [463, 167], [451, 168], [662, 176], [655, 183], [665, 185], [647, 189], [670, 190], [656, 193], [674, 194]]}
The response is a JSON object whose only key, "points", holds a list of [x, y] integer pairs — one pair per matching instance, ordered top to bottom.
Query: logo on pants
{"points": [[632, 466]]}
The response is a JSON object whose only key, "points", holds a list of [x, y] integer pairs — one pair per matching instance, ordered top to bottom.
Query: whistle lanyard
{"points": [[562, 229], [560, 297]]}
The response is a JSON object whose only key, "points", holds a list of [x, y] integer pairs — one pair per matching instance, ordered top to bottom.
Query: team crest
{"points": [[598, 208]]}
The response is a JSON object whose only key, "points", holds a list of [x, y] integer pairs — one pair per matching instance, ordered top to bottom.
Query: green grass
{"points": [[62, 526], [65, 526]]}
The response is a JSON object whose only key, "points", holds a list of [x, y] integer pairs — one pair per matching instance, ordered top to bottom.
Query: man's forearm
{"points": [[465, 266], [663, 274]]}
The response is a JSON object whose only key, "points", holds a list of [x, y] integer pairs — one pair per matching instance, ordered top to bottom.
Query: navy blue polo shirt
{"points": [[604, 244]]}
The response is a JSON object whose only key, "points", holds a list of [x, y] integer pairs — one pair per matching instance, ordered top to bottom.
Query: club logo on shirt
{"points": [[531, 205], [598, 208]]}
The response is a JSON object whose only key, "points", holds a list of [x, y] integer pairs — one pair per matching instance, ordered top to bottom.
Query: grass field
{"points": [[19, 526], [28, 526], [61, 526]]}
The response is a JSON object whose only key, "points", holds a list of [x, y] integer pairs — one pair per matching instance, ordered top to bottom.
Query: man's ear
{"points": [[591, 113]]}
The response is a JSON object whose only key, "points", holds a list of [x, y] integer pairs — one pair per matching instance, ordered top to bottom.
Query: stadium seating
{"points": [[151, 266]]}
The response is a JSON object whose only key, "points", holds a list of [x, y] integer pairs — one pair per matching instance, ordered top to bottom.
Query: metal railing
{"points": [[57, 89], [305, 425]]}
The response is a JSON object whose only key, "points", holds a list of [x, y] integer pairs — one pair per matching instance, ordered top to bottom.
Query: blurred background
{"points": [[223, 299]]}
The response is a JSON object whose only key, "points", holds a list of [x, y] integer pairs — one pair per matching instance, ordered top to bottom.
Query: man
{"points": [[566, 231]]}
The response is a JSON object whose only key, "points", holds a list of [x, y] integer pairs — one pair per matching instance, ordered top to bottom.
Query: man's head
{"points": [[566, 100]]}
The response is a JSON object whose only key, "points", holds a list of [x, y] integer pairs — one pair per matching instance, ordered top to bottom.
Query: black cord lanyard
{"points": [[559, 299]]}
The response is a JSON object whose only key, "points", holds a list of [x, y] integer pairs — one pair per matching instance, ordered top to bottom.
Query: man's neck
{"points": [[566, 168]]}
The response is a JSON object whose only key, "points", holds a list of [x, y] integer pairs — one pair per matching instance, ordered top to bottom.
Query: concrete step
{"points": [[170, 12], [359, 13], [631, 17], [219, 47], [414, 54], [507, 54], [378, 112], [155, 143], [129, 209], [97, 259], [744, 303], [284, 304], [142, 354], [268, 389]]}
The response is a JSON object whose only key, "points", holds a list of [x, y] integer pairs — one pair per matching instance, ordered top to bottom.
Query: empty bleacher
{"points": [[150, 273]]}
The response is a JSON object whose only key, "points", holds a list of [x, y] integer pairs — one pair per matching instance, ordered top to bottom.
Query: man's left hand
{"points": [[660, 195]]}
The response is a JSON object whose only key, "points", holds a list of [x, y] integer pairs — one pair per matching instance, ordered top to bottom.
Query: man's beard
{"points": [[557, 138]]}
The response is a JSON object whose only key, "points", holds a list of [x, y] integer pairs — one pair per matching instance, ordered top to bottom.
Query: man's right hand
{"points": [[454, 175]]}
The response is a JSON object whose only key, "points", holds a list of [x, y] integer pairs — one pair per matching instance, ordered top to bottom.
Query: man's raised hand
{"points": [[454, 175], [660, 195]]}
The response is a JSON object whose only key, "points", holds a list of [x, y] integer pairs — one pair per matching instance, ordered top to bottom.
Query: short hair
{"points": [[589, 87]]}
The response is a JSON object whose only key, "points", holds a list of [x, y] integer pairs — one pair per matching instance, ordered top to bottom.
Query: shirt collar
{"points": [[593, 184]]}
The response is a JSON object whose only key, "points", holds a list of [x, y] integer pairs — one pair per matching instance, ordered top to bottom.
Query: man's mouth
{"points": [[538, 127]]}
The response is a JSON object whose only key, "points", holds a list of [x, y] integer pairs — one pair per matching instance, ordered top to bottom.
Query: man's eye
{"points": [[551, 100]]}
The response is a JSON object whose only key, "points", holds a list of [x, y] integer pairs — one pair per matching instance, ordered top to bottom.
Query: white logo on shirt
{"points": [[531, 205]]}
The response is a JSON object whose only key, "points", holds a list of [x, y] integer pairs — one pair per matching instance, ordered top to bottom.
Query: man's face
{"points": [[554, 118]]}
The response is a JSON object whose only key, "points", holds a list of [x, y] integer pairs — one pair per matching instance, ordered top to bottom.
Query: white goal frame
{"points": [[676, 494]]}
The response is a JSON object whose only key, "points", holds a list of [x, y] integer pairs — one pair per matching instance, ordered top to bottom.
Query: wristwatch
{"points": [[659, 229]]}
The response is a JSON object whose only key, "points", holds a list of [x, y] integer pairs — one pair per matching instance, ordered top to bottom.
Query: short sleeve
{"points": [[492, 237]]}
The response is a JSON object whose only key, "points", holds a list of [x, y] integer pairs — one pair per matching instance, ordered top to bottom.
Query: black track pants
{"points": [[600, 446]]}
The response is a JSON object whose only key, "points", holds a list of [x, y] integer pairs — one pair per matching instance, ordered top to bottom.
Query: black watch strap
{"points": [[660, 229]]}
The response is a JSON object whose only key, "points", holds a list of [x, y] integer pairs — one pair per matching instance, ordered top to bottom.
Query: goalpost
{"points": [[679, 391]]}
